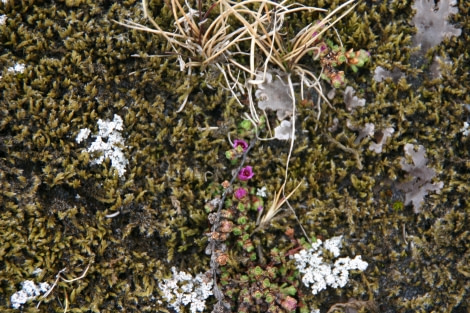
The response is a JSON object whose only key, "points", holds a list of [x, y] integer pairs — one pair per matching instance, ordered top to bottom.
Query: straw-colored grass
{"points": [[252, 30], [201, 39], [203, 44], [266, 216]]}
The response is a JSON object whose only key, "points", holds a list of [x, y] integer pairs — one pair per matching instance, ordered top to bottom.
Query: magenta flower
{"points": [[240, 145], [246, 173], [240, 193]]}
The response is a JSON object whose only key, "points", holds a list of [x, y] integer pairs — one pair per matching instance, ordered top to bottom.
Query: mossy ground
{"points": [[79, 68]]}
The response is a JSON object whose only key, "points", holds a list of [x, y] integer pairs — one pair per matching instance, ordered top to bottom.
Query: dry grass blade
{"points": [[233, 34], [310, 35], [203, 39], [272, 41], [203, 46], [265, 217]]}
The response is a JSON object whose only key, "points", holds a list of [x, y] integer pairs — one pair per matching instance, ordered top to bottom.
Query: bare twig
{"points": [[59, 277]]}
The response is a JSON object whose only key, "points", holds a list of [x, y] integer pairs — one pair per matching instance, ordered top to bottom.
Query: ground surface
{"points": [[79, 68]]}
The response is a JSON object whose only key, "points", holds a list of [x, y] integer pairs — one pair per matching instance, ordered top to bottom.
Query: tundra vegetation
{"points": [[216, 155]]}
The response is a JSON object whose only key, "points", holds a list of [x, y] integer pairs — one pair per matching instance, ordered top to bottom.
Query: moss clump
{"points": [[79, 68]]}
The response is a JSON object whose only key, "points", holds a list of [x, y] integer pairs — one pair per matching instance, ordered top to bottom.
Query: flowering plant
{"points": [[239, 147], [246, 173], [240, 193]]}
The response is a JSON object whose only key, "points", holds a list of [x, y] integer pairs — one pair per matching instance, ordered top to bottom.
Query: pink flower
{"points": [[240, 145], [246, 173], [240, 193]]}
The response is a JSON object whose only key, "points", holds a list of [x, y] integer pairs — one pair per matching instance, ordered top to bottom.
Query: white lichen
{"points": [[17, 68], [465, 130], [82, 135], [108, 143], [318, 274], [183, 289], [28, 292]]}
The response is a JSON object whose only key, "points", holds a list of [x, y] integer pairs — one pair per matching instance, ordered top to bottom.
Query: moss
{"points": [[79, 68]]}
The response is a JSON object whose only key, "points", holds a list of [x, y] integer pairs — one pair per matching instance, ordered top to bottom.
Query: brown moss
{"points": [[79, 68]]}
